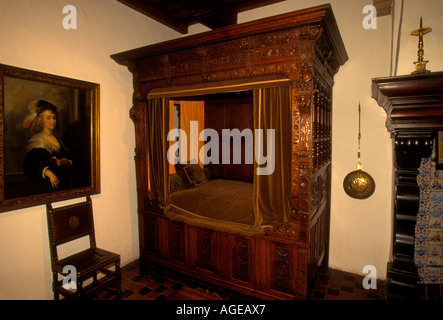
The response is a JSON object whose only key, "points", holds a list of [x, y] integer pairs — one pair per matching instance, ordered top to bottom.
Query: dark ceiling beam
{"points": [[253, 4], [152, 12], [211, 13], [179, 14]]}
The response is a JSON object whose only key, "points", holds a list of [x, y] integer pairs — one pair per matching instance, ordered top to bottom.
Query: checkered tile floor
{"points": [[161, 283], [339, 285]]}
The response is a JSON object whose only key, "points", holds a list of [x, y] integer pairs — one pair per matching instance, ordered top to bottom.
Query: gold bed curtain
{"points": [[158, 166], [271, 193], [271, 196]]}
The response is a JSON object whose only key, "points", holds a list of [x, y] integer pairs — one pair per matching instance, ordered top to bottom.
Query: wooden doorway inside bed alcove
{"points": [[225, 113], [228, 152]]}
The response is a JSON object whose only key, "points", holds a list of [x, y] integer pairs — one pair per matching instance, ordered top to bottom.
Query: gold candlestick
{"points": [[420, 65]]}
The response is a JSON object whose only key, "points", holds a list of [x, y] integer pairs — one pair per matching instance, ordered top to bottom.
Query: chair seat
{"points": [[88, 261]]}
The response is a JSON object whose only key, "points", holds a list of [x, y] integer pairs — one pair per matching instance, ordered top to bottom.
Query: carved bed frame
{"points": [[303, 46]]}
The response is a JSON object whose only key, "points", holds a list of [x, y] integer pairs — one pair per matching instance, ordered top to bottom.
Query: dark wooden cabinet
{"points": [[305, 49], [414, 107]]}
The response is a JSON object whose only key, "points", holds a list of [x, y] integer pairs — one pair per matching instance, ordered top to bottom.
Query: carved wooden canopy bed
{"points": [[264, 234]]}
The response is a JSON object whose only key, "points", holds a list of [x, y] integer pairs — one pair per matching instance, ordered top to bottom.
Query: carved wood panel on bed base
{"points": [[304, 47], [280, 264], [266, 267]]}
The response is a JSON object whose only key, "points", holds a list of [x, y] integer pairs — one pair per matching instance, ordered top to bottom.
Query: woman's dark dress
{"points": [[42, 155]]}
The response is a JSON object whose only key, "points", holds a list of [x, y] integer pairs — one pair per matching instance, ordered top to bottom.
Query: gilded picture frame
{"points": [[49, 138]]}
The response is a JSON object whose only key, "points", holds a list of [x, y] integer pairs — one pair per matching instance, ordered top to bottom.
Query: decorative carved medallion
{"points": [[74, 222], [285, 229]]}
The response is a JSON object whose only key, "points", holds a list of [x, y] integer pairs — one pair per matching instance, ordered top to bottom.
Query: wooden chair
{"points": [[92, 270]]}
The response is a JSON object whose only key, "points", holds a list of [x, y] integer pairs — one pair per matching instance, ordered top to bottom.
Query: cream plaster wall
{"points": [[32, 37]]}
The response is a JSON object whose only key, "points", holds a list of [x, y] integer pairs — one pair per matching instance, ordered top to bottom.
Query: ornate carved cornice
{"points": [[320, 15], [411, 102]]}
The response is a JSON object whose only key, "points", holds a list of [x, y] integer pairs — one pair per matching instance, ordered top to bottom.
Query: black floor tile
{"points": [[347, 289], [144, 291], [334, 292]]}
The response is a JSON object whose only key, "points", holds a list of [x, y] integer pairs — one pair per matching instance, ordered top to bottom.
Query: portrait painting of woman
{"points": [[50, 141], [47, 160]]}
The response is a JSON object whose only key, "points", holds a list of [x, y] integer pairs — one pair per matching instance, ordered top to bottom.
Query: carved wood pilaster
{"points": [[177, 244], [206, 250], [242, 265], [282, 268], [302, 271]]}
